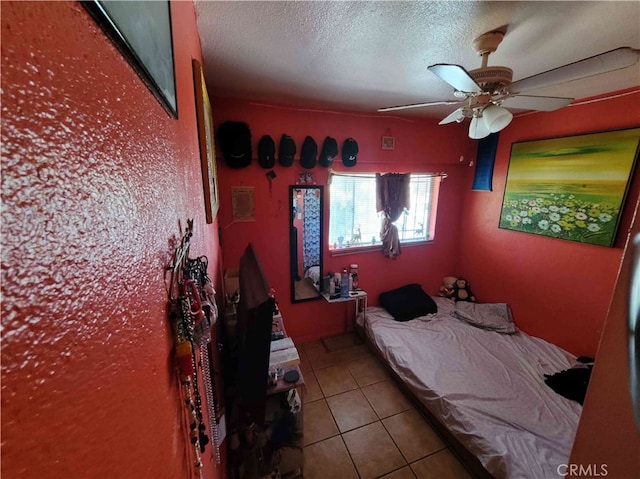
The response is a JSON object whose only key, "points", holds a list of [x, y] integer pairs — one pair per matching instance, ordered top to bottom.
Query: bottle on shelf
{"points": [[354, 277], [344, 284]]}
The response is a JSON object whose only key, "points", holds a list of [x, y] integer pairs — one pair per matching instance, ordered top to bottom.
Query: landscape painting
{"points": [[571, 188]]}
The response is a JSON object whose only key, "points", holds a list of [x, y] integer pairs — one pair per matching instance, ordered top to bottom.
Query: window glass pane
{"points": [[353, 219], [413, 224]]}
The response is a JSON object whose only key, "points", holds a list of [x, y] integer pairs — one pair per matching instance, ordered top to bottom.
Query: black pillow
{"points": [[407, 302], [570, 383]]}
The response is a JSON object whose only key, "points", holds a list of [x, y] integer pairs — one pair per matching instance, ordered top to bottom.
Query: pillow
{"points": [[407, 302], [446, 306], [491, 316], [570, 383]]}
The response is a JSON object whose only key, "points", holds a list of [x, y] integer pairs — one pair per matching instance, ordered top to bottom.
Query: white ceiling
{"points": [[360, 56]]}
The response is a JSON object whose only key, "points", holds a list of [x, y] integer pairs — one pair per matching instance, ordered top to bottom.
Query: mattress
{"points": [[487, 388]]}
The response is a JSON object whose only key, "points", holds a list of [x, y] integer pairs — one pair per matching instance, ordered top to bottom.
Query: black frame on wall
{"points": [[142, 32]]}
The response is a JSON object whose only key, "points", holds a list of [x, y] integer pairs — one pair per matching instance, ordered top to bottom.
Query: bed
{"points": [[313, 273], [486, 388]]}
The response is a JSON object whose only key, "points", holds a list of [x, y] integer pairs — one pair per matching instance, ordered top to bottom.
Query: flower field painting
{"points": [[571, 188]]}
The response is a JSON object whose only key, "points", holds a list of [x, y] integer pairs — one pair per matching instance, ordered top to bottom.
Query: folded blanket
{"points": [[491, 316]]}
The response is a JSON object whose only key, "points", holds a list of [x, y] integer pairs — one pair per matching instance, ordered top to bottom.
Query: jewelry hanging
{"points": [[193, 312]]}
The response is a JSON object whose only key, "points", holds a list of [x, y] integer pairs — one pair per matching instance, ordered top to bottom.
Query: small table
{"points": [[360, 298]]}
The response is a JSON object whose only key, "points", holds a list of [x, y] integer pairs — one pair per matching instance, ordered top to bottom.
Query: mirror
{"points": [[305, 240]]}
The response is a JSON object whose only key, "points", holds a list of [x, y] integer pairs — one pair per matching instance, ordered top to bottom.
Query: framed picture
{"points": [[142, 32], [388, 143], [207, 145], [571, 188], [243, 203]]}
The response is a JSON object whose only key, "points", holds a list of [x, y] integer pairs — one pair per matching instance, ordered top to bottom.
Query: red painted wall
{"points": [[420, 146], [97, 181], [558, 290], [607, 437]]}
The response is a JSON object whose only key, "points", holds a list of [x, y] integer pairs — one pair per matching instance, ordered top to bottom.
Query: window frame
{"points": [[365, 248]]}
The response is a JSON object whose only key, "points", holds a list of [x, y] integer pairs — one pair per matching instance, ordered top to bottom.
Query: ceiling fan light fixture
{"points": [[496, 117], [478, 128]]}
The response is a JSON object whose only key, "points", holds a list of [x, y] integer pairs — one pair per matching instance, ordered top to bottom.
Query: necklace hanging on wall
{"points": [[193, 312]]}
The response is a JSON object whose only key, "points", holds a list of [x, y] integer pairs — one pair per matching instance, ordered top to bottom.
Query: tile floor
{"points": [[359, 424]]}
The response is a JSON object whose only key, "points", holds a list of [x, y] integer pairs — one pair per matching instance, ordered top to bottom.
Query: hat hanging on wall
{"points": [[234, 138], [286, 150], [266, 152], [329, 152], [349, 152], [308, 153]]}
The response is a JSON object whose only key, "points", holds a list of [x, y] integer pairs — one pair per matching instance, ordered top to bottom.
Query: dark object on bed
{"points": [[407, 302], [570, 383]]}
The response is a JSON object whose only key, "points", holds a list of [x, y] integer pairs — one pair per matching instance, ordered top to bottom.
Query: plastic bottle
{"points": [[354, 277], [344, 284]]}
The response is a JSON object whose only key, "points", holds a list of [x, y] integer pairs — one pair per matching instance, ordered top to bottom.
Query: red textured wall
{"points": [[420, 146], [96, 181], [558, 290], [611, 438]]}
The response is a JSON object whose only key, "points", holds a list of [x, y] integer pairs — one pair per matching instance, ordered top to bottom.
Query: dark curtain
{"points": [[392, 198]]}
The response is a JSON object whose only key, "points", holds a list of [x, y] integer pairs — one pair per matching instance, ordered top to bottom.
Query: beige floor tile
{"points": [[342, 341], [312, 346], [352, 353], [319, 357], [305, 365], [367, 370], [335, 380], [311, 390], [386, 399], [351, 410], [318, 422], [413, 435], [373, 451], [328, 459], [442, 465], [404, 473]]}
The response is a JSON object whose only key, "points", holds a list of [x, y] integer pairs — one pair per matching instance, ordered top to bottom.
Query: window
{"points": [[354, 222]]}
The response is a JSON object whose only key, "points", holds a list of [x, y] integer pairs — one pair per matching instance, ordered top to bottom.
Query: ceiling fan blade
{"points": [[602, 63], [456, 76], [541, 103], [418, 105], [457, 115]]}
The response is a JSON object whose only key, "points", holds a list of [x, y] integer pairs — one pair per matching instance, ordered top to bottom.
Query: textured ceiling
{"points": [[361, 56]]}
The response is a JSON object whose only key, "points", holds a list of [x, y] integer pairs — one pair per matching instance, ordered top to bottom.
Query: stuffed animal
{"points": [[447, 288], [462, 291]]}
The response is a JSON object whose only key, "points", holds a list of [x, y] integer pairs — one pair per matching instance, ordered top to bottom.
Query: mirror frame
{"points": [[293, 240]]}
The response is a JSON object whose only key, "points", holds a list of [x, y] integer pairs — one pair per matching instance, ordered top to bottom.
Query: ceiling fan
{"points": [[488, 91]]}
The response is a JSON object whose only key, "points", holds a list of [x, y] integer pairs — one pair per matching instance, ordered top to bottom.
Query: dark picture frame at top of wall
{"points": [[143, 34]]}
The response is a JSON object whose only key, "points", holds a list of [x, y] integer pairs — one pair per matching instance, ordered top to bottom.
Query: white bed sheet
{"points": [[486, 387]]}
